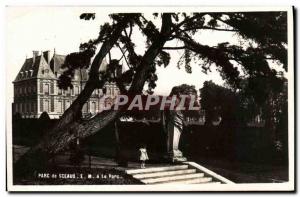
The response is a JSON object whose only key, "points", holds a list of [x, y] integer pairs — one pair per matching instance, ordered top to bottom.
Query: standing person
{"points": [[143, 155]]}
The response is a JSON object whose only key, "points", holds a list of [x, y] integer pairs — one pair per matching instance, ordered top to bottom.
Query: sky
{"points": [[59, 28]]}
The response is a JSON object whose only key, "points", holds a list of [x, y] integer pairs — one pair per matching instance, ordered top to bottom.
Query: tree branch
{"points": [[177, 26], [210, 28], [174, 48], [123, 55], [214, 55], [109, 57], [139, 79]]}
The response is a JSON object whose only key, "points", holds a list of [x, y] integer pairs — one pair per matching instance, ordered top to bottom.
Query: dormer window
{"points": [[26, 73], [31, 73], [21, 74]]}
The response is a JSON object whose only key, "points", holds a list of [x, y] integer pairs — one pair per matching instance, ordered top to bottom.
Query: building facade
{"points": [[36, 90]]}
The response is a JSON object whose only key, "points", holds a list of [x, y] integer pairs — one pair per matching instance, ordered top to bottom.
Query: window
{"points": [[41, 87], [52, 88], [46, 89], [76, 90], [59, 91], [72, 91], [68, 92], [100, 92], [52, 104], [41, 105], [67, 105], [46, 106], [59, 107], [93, 107]]}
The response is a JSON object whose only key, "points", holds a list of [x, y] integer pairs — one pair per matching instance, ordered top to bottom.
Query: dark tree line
{"points": [[238, 108]]}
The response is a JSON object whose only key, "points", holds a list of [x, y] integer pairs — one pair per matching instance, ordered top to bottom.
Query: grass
{"points": [[245, 172]]}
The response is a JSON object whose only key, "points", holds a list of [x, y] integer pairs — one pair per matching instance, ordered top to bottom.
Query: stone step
{"points": [[156, 169], [163, 174], [172, 178], [206, 180], [213, 182]]}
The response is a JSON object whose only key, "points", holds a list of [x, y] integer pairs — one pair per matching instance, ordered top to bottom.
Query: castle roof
{"points": [[35, 67], [38, 67]]}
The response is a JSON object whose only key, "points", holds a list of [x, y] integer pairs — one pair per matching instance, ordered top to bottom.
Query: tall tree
{"points": [[264, 38], [188, 90], [266, 97], [218, 101]]}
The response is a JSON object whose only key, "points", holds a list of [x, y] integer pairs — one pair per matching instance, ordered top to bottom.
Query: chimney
{"points": [[35, 54], [46, 55]]}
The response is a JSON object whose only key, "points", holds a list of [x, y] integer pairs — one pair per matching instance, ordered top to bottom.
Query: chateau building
{"points": [[36, 90]]}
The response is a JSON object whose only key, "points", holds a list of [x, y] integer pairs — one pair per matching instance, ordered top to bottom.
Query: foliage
{"points": [[263, 36], [184, 89], [189, 90], [218, 101], [240, 107]]}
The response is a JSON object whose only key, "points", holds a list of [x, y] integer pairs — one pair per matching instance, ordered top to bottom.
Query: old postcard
{"points": [[149, 98]]}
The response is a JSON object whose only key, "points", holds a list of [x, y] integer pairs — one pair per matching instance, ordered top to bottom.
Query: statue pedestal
{"points": [[175, 156]]}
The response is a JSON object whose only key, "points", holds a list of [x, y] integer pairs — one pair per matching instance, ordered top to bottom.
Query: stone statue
{"points": [[173, 126]]}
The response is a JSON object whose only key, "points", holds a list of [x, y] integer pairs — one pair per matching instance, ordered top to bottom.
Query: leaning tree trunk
{"points": [[70, 126], [66, 129]]}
